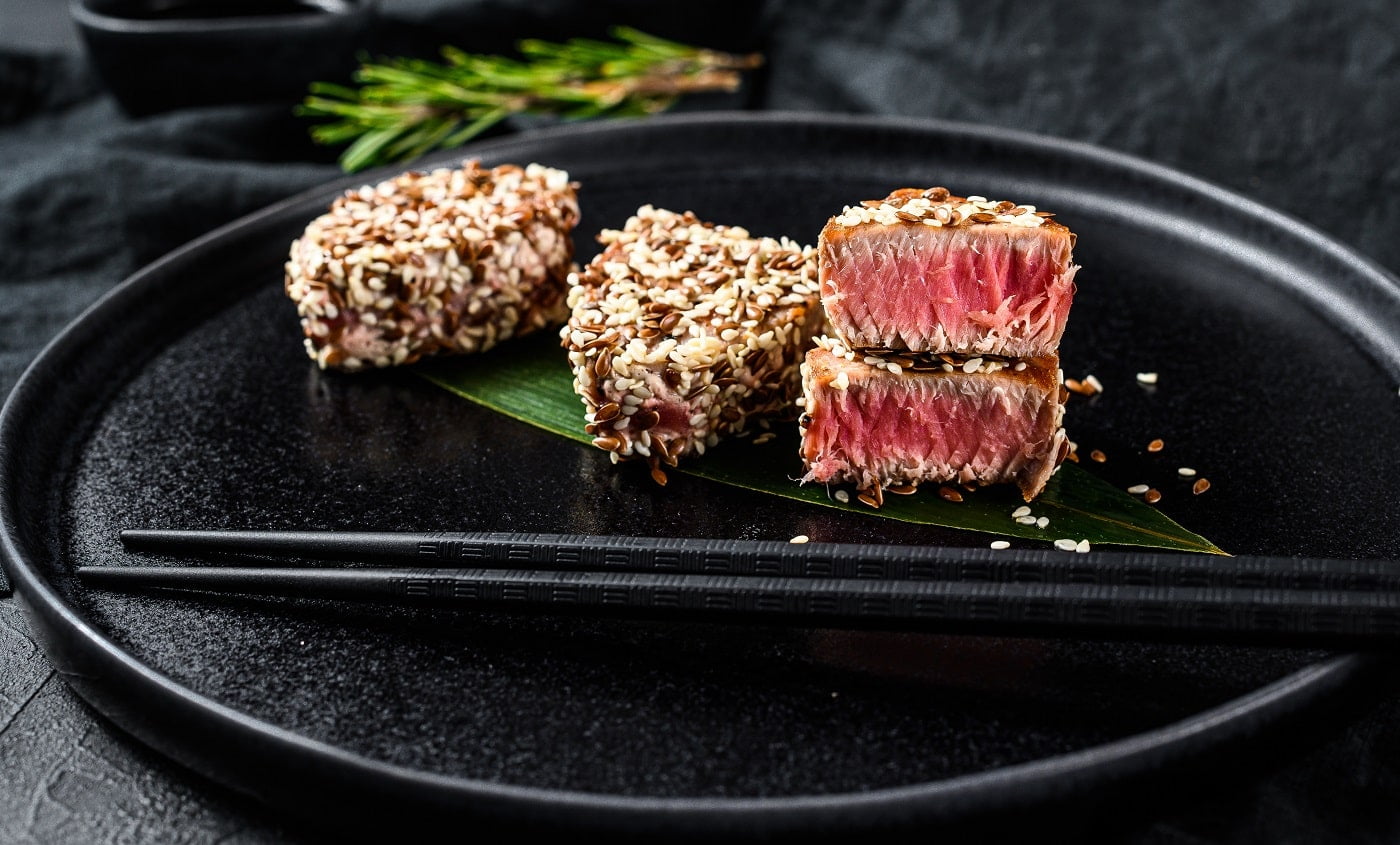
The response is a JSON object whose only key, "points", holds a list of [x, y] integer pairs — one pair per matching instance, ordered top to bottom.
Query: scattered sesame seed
{"points": [[1147, 378], [1092, 382], [1155, 445], [1098, 456], [1185, 472], [1201, 486], [1138, 489], [949, 494], [842, 496], [1152, 496], [1023, 510], [1026, 520], [1042, 522], [800, 539], [1000, 544], [1066, 545], [1082, 546]]}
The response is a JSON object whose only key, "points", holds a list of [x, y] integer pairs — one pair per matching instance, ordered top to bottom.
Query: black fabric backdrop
{"points": [[1295, 103]]}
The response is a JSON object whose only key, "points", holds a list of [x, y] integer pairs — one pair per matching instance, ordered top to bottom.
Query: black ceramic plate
{"points": [[184, 400]]}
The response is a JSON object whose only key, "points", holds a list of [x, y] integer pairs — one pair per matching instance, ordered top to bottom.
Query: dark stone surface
{"points": [[1296, 104]]}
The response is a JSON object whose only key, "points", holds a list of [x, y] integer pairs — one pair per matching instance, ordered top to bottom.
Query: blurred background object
{"points": [[156, 55]]}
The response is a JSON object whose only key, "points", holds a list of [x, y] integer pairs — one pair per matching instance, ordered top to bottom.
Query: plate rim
{"points": [[1032, 781]]}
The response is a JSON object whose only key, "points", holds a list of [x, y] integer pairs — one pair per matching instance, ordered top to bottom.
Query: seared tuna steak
{"points": [[447, 261], [930, 272], [682, 332], [877, 423]]}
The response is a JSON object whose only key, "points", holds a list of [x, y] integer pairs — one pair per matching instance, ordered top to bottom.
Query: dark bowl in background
{"points": [[157, 55]]}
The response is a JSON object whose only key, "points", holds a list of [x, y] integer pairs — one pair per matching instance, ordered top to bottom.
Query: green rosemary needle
{"points": [[404, 108]]}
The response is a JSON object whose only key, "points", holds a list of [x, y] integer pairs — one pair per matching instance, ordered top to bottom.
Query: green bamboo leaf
{"points": [[530, 381]]}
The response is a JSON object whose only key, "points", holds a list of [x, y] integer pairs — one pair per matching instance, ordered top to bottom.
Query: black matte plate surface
{"points": [[184, 400]]}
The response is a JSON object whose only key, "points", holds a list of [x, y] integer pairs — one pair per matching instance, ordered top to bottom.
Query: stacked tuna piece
{"points": [[947, 314]]}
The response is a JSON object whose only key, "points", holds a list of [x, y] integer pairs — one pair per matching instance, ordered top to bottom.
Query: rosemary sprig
{"points": [[407, 107]]}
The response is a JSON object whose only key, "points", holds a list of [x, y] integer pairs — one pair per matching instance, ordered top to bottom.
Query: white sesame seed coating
{"points": [[939, 208], [447, 261], [698, 326], [896, 361], [1185, 472], [800, 539], [1000, 544], [1066, 545]]}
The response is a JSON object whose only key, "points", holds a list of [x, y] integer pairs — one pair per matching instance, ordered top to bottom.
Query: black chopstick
{"points": [[568, 552], [1310, 602], [1230, 615]]}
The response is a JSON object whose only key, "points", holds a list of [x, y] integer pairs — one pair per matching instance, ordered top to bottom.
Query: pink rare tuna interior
{"points": [[992, 288], [869, 427]]}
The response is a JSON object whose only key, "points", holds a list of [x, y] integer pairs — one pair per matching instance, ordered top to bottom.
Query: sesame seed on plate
{"points": [[1147, 378], [1155, 445], [1098, 456], [1185, 472], [1201, 486], [1138, 489], [842, 496], [1152, 496], [1020, 512], [1026, 520], [1042, 522], [800, 539], [1000, 544], [1066, 544], [1082, 546]]}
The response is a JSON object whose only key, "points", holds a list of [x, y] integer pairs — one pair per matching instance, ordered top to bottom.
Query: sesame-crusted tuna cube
{"points": [[450, 261], [926, 271], [683, 332], [902, 420]]}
